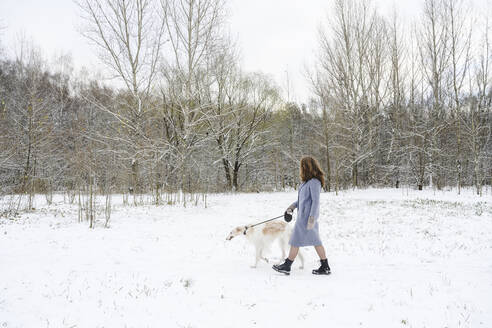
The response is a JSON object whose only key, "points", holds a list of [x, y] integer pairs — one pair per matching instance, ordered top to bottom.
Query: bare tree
{"points": [[195, 30], [129, 36], [435, 57], [460, 57], [351, 69], [31, 117], [477, 125], [325, 130], [417, 133], [396, 151]]}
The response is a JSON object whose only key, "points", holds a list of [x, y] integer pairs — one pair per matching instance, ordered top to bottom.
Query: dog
{"points": [[263, 236]]}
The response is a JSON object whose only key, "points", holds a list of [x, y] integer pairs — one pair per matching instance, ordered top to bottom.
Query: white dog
{"points": [[264, 235]]}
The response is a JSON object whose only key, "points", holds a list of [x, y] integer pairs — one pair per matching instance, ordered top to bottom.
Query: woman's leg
{"points": [[320, 250], [293, 253], [285, 267], [324, 268]]}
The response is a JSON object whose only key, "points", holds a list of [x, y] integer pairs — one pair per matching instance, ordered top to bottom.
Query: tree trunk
{"points": [[227, 170], [328, 170], [235, 175], [355, 175]]}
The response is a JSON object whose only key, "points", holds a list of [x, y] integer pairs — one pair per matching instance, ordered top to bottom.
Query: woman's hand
{"points": [[288, 213], [310, 224]]}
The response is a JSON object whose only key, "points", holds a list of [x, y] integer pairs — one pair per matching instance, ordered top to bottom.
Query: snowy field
{"points": [[400, 258]]}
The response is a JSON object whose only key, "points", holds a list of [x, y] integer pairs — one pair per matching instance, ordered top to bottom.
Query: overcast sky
{"points": [[277, 37]]}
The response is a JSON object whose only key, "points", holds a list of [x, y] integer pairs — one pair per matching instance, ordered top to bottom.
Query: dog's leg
{"points": [[283, 247], [261, 255], [258, 256], [301, 258]]}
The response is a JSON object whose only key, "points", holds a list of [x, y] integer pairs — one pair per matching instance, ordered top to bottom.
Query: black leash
{"points": [[254, 225]]}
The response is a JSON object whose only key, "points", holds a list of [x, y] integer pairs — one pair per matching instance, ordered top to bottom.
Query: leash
{"points": [[254, 225]]}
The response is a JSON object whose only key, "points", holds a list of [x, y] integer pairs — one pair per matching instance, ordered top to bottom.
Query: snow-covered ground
{"points": [[400, 258]]}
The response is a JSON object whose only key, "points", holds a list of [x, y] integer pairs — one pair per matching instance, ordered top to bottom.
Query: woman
{"points": [[306, 230]]}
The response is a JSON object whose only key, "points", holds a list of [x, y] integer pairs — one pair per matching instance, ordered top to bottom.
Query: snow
{"points": [[400, 258]]}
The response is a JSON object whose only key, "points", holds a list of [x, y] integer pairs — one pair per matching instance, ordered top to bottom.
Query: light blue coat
{"points": [[307, 205]]}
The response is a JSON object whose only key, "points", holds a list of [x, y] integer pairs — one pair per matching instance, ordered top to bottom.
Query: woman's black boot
{"points": [[284, 267], [323, 269]]}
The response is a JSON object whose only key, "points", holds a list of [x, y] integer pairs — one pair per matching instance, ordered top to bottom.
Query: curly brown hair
{"points": [[310, 168]]}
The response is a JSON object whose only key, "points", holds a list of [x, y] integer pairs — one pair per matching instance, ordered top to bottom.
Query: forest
{"points": [[392, 105]]}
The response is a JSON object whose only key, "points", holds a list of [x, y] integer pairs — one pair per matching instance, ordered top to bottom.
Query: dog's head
{"points": [[237, 232]]}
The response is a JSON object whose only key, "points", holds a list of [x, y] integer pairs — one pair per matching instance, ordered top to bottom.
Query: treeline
{"points": [[408, 105], [390, 106]]}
